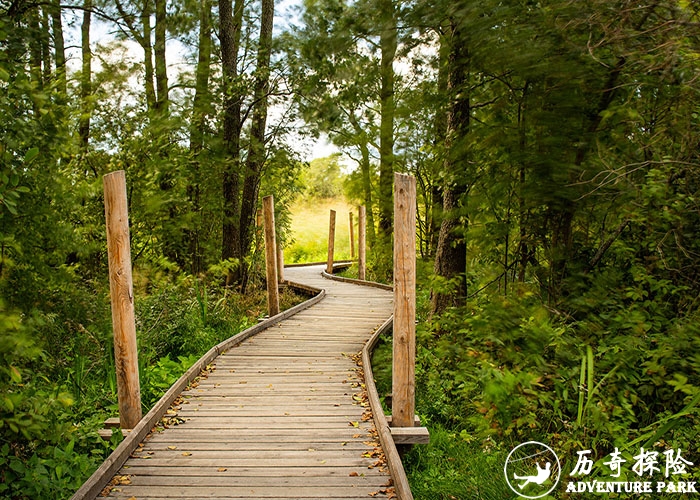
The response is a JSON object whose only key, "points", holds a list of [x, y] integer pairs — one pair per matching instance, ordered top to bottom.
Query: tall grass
{"points": [[309, 230]]}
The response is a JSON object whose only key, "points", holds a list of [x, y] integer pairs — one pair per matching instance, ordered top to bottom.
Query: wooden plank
{"points": [[410, 435], [257, 472], [230, 479], [248, 492]]}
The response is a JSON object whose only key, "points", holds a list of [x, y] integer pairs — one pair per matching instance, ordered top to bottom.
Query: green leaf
{"points": [[31, 155], [15, 375]]}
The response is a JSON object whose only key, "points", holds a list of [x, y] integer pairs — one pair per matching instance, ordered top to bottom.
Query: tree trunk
{"points": [[230, 35], [44, 41], [145, 42], [388, 44], [59, 47], [35, 55], [161, 66], [85, 77], [197, 131], [256, 150], [366, 169], [451, 251]]}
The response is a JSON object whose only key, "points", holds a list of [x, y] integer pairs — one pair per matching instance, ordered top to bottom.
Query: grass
{"points": [[310, 221]]}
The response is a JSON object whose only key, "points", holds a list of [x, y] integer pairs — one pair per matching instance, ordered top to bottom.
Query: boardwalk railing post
{"points": [[352, 237], [331, 242], [361, 243], [280, 263], [122, 298], [273, 300], [404, 345]]}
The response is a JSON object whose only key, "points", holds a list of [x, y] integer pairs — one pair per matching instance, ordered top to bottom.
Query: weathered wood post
{"points": [[352, 236], [331, 242], [361, 243], [280, 263], [121, 289], [273, 299], [404, 345]]}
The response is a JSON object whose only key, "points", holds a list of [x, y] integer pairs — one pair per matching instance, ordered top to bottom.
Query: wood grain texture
{"points": [[351, 229], [331, 242], [362, 243], [122, 299], [273, 299], [404, 345], [281, 415]]}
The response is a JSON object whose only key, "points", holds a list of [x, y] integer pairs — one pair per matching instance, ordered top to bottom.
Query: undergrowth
{"points": [[506, 370], [57, 378]]}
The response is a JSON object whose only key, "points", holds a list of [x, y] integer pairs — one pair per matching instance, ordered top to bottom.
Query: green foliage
{"points": [[323, 179], [454, 465]]}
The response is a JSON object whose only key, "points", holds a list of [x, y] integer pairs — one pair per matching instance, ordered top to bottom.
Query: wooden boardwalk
{"points": [[282, 415]]}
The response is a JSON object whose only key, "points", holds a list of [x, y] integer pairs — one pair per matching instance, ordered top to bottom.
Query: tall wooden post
{"points": [[352, 236], [331, 243], [361, 243], [280, 263], [121, 289], [273, 298], [404, 345]]}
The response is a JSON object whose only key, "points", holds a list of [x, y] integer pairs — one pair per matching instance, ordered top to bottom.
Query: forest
{"points": [[556, 147]]}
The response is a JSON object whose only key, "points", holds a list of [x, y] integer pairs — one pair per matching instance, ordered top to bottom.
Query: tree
{"points": [[230, 34], [256, 148], [451, 250]]}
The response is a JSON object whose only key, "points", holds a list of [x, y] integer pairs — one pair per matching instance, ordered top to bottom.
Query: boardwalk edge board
{"points": [[354, 281], [104, 474], [403, 489]]}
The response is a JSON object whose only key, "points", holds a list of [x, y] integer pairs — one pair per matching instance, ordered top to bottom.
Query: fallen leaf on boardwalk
{"points": [[243, 382], [354, 424], [355, 436], [172, 447], [311, 449], [186, 454], [221, 469], [354, 474], [373, 494], [132, 498]]}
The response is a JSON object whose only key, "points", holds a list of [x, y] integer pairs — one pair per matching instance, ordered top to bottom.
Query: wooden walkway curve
{"points": [[282, 415]]}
